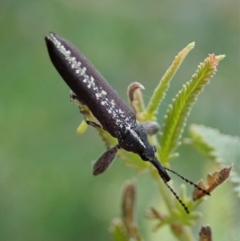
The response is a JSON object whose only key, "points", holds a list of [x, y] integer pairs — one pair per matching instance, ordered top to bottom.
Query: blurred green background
{"points": [[47, 191]]}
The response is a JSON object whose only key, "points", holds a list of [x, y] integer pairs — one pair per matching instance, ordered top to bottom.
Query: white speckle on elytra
{"points": [[83, 71], [91, 82], [95, 88], [100, 94], [97, 95], [112, 103], [120, 111], [117, 114]]}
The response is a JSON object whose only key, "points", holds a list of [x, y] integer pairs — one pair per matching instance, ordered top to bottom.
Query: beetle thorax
{"points": [[135, 140]]}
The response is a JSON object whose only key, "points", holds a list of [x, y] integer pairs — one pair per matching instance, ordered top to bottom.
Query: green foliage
{"points": [[160, 91], [179, 110], [174, 122], [213, 144], [218, 147], [47, 189]]}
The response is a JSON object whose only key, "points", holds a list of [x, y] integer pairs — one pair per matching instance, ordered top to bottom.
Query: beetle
{"points": [[91, 89]]}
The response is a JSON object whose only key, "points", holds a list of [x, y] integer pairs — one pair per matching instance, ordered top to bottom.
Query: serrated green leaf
{"points": [[160, 91], [179, 110], [218, 147]]}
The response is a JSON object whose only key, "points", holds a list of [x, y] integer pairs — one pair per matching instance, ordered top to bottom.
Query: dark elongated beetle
{"points": [[91, 89]]}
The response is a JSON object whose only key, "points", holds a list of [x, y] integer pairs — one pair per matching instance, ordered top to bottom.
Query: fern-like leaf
{"points": [[159, 92], [179, 110], [224, 149], [213, 180], [129, 209], [127, 228], [205, 233]]}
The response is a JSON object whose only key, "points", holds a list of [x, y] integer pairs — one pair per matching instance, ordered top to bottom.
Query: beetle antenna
{"points": [[165, 177], [187, 180], [177, 197]]}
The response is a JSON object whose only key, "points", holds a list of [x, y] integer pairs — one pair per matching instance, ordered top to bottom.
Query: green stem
{"points": [[181, 232]]}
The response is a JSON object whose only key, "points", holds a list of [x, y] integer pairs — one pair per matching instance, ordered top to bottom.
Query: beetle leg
{"points": [[75, 99], [83, 110], [92, 123], [105, 160]]}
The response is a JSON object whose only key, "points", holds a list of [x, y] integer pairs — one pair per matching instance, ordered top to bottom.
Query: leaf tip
{"points": [[191, 46], [220, 57], [82, 128], [214, 180]]}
